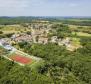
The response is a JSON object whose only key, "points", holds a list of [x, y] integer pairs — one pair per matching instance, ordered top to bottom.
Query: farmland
{"points": [[13, 29], [81, 34]]}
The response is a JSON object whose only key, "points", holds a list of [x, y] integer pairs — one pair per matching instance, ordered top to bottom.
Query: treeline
{"points": [[15, 20], [21, 20], [79, 23]]}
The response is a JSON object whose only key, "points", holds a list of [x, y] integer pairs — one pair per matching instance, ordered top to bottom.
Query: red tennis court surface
{"points": [[21, 59]]}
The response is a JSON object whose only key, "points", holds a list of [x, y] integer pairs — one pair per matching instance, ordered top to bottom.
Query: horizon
{"points": [[43, 16], [50, 16]]}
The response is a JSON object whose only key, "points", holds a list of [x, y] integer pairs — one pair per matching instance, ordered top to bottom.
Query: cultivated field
{"points": [[13, 29], [81, 34]]}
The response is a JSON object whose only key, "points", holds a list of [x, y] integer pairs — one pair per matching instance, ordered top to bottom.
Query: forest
{"points": [[63, 66]]}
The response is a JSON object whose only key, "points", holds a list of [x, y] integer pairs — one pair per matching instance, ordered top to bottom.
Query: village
{"points": [[39, 34]]}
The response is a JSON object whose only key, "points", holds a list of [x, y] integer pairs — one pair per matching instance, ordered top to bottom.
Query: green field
{"points": [[13, 29], [81, 34], [75, 44]]}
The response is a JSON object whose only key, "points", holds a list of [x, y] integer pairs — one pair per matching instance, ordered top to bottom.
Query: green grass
{"points": [[14, 29], [81, 34], [75, 40], [75, 44], [36, 64]]}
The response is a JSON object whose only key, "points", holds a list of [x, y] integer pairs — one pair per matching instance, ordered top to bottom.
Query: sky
{"points": [[45, 7]]}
